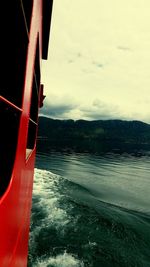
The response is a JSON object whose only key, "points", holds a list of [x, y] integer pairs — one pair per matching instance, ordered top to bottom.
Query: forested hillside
{"points": [[93, 136]]}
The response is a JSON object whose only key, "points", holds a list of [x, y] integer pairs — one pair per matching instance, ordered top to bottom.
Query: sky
{"points": [[98, 63]]}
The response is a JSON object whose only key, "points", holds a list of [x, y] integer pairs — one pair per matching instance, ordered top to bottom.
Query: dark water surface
{"points": [[90, 211]]}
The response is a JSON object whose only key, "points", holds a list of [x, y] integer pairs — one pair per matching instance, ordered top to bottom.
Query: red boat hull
{"points": [[16, 201]]}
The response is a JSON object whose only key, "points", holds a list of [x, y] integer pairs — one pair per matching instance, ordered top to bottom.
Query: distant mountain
{"points": [[98, 136]]}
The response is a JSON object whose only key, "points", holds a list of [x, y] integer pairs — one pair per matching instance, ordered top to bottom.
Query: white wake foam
{"points": [[47, 197], [46, 200], [63, 260]]}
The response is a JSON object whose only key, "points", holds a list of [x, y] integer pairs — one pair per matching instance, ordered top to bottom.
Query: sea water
{"points": [[90, 211]]}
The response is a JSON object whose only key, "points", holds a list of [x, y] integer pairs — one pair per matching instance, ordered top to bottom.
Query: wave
{"points": [[71, 227], [64, 260]]}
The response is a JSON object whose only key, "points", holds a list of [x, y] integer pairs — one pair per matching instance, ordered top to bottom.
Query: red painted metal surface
{"points": [[15, 203]]}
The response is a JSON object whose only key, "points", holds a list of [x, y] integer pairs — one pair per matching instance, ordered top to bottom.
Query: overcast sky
{"points": [[98, 65]]}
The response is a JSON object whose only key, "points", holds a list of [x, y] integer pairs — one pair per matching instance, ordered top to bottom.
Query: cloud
{"points": [[124, 48], [104, 54], [70, 61], [97, 64], [58, 107], [65, 107], [100, 110], [56, 111]]}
